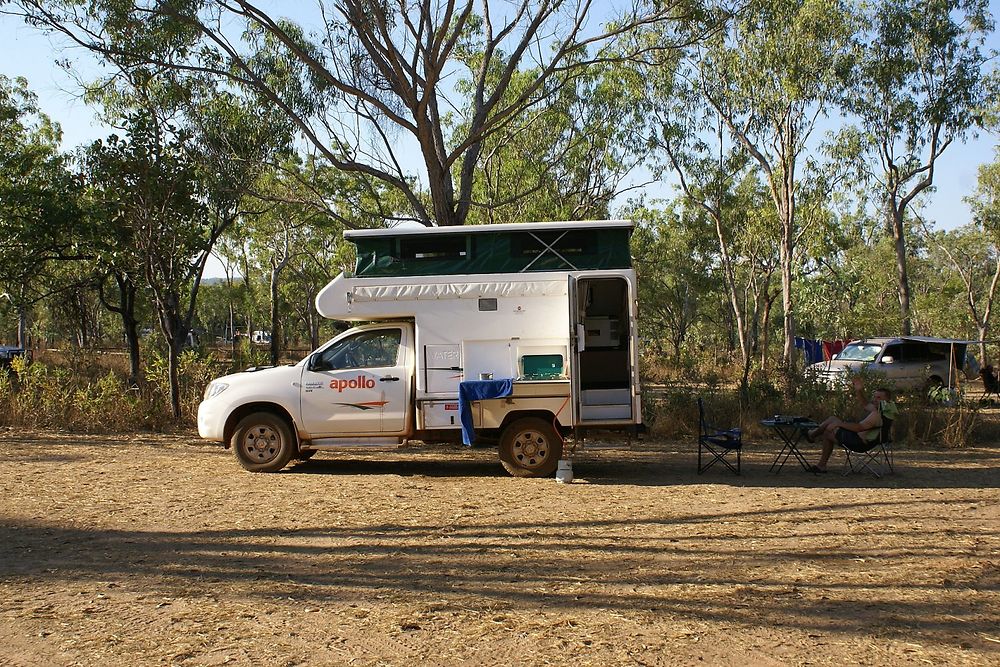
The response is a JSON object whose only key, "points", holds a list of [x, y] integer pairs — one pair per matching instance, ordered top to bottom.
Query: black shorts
{"points": [[851, 440]]}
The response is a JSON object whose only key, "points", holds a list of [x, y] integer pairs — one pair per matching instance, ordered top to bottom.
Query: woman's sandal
{"points": [[816, 470]]}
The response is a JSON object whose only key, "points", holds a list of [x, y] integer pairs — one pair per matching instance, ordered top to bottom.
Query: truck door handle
{"points": [[389, 378]]}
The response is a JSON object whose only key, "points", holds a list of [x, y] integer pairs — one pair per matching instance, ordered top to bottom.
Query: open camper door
{"points": [[602, 323], [576, 344]]}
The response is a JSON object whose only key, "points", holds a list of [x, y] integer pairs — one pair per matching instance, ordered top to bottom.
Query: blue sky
{"points": [[26, 52]]}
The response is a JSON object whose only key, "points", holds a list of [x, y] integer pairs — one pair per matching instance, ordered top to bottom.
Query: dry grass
{"points": [[159, 550]]}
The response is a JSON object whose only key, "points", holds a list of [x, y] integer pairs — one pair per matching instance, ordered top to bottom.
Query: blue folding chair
{"points": [[715, 444]]}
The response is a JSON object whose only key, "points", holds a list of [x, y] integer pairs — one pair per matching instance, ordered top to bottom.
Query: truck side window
{"points": [[368, 349]]}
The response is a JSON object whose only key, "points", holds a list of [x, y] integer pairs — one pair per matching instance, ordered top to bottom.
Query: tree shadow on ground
{"points": [[674, 467], [710, 566]]}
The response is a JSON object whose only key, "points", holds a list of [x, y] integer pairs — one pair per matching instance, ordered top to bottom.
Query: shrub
{"points": [[194, 371], [76, 393], [672, 412]]}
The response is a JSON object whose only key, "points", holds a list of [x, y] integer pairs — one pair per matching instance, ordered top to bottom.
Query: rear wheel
{"points": [[933, 388], [263, 442], [530, 447]]}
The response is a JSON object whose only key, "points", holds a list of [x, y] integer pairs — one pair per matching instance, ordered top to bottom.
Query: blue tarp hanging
{"points": [[812, 348], [478, 390]]}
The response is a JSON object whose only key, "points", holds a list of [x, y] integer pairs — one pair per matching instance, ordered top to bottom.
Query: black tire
{"points": [[933, 382], [263, 442], [530, 447]]}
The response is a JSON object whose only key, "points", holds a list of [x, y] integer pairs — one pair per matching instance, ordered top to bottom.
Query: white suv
{"points": [[907, 362]]}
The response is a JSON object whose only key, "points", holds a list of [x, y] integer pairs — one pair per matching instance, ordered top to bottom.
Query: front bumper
{"points": [[830, 378], [211, 421]]}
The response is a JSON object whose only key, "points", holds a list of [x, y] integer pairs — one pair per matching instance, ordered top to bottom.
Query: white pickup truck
{"points": [[542, 314]]}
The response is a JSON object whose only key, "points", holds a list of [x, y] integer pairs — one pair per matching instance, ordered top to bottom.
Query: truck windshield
{"points": [[859, 352]]}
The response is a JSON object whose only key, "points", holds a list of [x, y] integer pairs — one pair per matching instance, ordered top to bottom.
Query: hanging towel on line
{"points": [[812, 348]]}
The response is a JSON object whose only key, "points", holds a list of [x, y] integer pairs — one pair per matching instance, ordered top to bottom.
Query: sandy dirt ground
{"points": [[160, 550]]}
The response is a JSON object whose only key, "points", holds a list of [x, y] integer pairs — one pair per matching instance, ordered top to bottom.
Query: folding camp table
{"points": [[790, 431]]}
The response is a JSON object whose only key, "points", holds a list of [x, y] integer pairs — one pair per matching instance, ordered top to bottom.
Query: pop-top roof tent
{"points": [[508, 248]]}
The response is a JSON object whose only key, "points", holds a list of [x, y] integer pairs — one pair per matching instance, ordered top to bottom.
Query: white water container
{"points": [[564, 473]]}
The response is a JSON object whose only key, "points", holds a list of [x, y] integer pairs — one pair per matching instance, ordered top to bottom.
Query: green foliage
{"points": [[210, 159], [564, 159], [39, 198], [985, 201], [672, 261], [194, 371], [41, 395], [672, 413]]}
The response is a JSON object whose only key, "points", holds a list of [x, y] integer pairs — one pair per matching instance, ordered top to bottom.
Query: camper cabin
{"points": [[550, 305]]}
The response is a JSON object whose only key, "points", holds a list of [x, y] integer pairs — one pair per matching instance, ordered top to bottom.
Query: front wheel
{"points": [[263, 442], [530, 447]]}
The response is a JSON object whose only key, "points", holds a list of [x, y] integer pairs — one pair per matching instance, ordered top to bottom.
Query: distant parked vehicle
{"points": [[260, 338], [9, 352], [907, 362]]}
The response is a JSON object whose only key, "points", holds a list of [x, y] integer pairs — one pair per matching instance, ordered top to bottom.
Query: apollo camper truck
{"points": [[521, 333]]}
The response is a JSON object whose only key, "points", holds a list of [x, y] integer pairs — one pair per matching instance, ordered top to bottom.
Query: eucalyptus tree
{"points": [[766, 80], [369, 84], [920, 84], [565, 159], [714, 177], [149, 183], [173, 185], [39, 202], [302, 206], [275, 236], [973, 252], [973, 256], [320, 258], [672, 260]]}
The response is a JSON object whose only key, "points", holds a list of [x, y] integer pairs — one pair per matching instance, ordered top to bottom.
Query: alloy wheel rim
{"points": [[261, 444], [530, 449]]}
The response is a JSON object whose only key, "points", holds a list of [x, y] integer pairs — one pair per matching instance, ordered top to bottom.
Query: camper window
{"points": [[564, 243], [441, 247]]}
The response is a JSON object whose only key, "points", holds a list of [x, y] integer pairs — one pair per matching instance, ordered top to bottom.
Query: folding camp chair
{"points": [[719, 443], [875, 457]]}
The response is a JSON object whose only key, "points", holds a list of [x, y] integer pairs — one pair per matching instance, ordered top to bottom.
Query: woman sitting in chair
{"points": [[857, 436]]}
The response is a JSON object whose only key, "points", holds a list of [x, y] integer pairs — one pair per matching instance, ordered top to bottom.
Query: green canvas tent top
{"points": [[509, 248]]}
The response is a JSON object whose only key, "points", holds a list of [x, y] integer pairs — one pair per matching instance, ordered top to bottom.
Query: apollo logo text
{"points": [[360, 382]]}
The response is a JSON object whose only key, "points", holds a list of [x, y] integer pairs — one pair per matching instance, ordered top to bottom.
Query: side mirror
{"points": [[833, 357], [887, 360], [316, 362]]}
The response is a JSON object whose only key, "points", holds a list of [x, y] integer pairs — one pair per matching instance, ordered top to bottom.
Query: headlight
{"points": [[214, 389]]}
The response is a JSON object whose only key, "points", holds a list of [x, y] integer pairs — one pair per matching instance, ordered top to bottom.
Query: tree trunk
{"points": [[902, 278], [126, 312], [788, 319], [312, 320], [130, 325], [22, 327], [82, 330], [984, 330], [232, 332], [174, 334], [765, 338], [132, 341], [275, 342], [173, 361]]}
